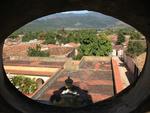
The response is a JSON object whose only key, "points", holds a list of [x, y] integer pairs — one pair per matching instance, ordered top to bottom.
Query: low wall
{"points": [[93, 58], [96, 58], [48, 59], [71, 65], [133, 69], [30, 70], [44, 78], [46, 85], [118, 86]]}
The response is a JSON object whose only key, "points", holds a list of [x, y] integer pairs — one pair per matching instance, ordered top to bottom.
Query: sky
{"points": [[68, 12], [76, 12]]}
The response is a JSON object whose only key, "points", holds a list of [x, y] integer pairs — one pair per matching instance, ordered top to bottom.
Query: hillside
{"points": [[72, 21]]}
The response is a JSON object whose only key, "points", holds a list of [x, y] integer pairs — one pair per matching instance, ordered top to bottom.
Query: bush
{"points": [[30, 36], [121, 37], [135, 48], [36, 52], [78, 57], [24, 84]]}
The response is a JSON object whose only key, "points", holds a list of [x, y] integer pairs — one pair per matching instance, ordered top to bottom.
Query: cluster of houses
{"points": [[15, 47], [15, 50], [118, 50]]}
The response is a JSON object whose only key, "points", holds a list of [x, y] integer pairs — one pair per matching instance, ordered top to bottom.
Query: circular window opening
{"points": [[74, 58]]}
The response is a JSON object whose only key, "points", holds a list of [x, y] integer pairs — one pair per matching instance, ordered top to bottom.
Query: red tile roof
{"points": [[113, 37], [53, 46], [118, 47], [21, 49], [17, 50], [60, 50], [50, 64], [103, 65], [117, 77], [99, 84]]}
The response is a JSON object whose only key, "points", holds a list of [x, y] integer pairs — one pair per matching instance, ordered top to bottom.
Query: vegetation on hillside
{"points": [[71, 21], [65, 36]]}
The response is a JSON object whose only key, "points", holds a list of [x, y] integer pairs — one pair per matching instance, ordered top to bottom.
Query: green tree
{"points": [[135, 35], [30, 36], [121, 37], [50, 38], [95, 46], [135, 48], [36, 52], [78, 57], [24, 84]]}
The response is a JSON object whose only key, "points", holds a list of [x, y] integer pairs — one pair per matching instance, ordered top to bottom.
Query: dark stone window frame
{"points": [[17, 13]]}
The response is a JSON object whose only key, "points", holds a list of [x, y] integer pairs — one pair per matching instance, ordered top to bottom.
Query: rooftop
{"points": [[20, 49], [140, 61], [50, 64], [98, 82]]}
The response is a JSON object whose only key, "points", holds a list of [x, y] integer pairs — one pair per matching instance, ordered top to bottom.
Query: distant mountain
{"points": [[72, 21]]}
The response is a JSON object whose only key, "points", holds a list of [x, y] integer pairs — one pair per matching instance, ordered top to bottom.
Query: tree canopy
{"points": [[121, 37], [93, 45], [135, 48], [36, 52], [24, 84]]}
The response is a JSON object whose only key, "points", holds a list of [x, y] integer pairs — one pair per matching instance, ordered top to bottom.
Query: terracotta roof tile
{"points": [[98, 84]]}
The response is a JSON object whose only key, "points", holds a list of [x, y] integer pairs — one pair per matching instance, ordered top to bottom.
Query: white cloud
{"points": [[76, 12]]}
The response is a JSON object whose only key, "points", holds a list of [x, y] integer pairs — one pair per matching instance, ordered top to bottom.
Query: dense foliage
{"points": [[134, 34], [30, 36], [62, 36], [66, 36], [121, 37], [50, 38], [93, 42], [93, 45], [135, 48], [36, 52], [77, 57], [24, 84]]}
